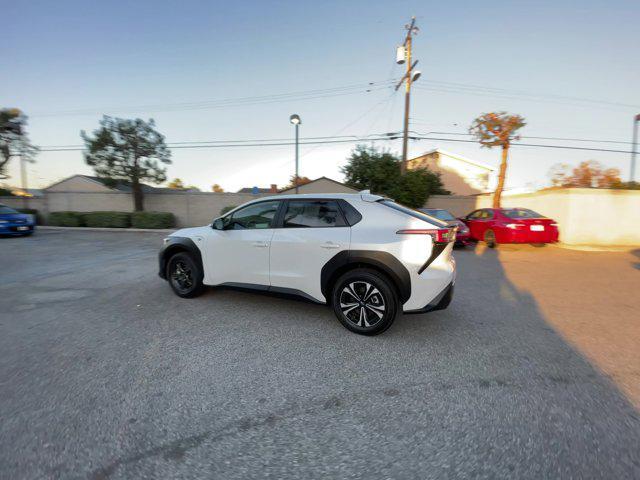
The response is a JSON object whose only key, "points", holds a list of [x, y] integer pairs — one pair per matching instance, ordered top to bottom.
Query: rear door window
{"points": [[313, 214]]}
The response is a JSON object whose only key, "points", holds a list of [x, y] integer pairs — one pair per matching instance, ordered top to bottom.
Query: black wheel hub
{"points": [[181, 276]]}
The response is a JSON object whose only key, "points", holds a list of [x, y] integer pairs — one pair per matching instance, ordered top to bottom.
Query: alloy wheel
{"points": [[182, 276], [362, 304]]}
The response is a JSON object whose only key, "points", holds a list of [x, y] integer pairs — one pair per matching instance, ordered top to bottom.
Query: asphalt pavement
{"points": [[106, 374]]}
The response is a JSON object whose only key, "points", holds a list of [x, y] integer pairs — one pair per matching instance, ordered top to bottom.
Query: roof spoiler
{"points": [[367, 196]]}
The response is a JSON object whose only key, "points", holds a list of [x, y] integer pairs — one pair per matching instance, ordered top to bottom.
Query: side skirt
{"points": [[275, 291]]}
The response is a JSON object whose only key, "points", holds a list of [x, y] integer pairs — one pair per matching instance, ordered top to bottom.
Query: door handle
{"points": [[261, 244], [330, 245]]}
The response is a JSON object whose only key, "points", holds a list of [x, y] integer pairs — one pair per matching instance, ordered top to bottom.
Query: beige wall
{"points": [[322, 186], [24, 202], [458, 205], [585, 216]]}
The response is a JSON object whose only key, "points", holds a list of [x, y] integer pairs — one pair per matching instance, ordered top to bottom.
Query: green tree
{"points": [[497, 129], [13, 139], [129, 150], [379, 171]]}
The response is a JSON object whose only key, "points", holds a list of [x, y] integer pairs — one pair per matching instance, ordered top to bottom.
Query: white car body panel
{"points": [[298, 255], [292, 258]]}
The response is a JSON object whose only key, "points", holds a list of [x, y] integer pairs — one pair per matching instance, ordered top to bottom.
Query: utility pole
{"points": [[409, 77], [634, 148]]}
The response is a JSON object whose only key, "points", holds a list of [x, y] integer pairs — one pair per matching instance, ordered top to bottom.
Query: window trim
{"points": [[280, 218]]}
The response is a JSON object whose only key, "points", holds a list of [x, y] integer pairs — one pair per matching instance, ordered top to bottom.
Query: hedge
{"points": [[65, 219], [106, 219], [152, 220]]}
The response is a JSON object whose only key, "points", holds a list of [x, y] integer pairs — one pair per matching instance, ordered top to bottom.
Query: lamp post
{"points": [[295, 119], [634, 148]]}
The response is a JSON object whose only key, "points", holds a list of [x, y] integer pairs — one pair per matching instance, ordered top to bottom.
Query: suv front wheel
{"points": [[184, 275], [364, 301]]}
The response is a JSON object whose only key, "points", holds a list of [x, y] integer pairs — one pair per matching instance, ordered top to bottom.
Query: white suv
{"points": [[363, 254]]}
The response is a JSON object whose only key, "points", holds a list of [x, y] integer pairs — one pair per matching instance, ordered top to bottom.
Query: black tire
{"points": [[490, 239], [184, 275], [356, 311]]}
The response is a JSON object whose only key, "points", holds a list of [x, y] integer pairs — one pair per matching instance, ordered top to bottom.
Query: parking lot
{"points": [[532, 372]]}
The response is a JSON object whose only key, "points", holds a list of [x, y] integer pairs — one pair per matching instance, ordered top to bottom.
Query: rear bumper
{"points": [[16, 228], [525, 236], [442, 301]]}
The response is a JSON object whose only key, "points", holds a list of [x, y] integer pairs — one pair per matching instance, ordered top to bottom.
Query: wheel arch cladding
{"points": [[177, 245], [378, 260]]}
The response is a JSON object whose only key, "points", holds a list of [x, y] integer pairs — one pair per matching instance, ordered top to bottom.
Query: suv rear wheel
{"points": [[184, 275], [364, 301]]}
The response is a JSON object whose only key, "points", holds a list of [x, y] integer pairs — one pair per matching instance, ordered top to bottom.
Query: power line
{"points": [[525, 93], [557, 99], [232, 102], [541, 138], [353, 139], [519, 144]]}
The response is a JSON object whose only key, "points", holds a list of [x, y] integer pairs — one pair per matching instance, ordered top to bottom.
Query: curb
{"points": [[94, 229], [596, 248]]}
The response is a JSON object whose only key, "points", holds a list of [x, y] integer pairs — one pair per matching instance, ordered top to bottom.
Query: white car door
{"points": [[312, 232], [239, 254]]}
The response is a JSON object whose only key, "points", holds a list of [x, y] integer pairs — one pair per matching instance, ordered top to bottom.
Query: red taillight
{"points": [[439, 235]]}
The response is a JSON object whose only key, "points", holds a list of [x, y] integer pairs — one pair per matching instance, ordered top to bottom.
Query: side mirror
{"points": [[218, 224]]}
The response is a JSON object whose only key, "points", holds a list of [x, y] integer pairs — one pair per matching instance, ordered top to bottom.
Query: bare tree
{"points": [[497, 129]]}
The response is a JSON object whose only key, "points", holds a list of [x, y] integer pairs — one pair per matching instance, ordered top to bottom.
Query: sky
{"points": [[570, 68]]}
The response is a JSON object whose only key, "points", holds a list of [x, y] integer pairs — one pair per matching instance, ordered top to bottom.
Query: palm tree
{"points": [[497, 129]]}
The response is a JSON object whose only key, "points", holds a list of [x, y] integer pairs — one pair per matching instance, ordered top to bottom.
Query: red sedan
{"points": [[510, 225]]}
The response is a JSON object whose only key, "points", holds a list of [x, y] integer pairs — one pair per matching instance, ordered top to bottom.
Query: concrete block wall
{"points": [[585, 216]]}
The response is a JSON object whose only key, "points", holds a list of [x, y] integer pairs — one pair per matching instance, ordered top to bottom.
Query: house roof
{"points": [[457, 157], [314, 181], [119, 185], [258, 190]]}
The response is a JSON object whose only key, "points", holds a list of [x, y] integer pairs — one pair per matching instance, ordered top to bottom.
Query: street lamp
{"points": [[295, 119], [634, 148]]}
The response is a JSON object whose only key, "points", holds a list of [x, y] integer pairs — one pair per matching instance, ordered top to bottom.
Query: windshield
{"points": [[5, 209], [412, 212], [438, 213], [521, 213]]}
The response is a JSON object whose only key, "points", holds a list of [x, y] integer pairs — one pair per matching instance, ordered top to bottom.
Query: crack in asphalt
{"points": [[176, 449]]}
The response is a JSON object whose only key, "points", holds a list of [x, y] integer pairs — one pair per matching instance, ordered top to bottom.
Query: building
{"points": [[460, 175], [86, 183], [321, 185], [256, 190]]}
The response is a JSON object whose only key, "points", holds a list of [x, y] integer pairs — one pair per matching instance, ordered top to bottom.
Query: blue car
{"points": [[12, 222]]}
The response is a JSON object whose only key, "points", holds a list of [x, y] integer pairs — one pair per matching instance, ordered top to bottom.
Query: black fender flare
{"points": [[174, 245], [383, 261]]}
